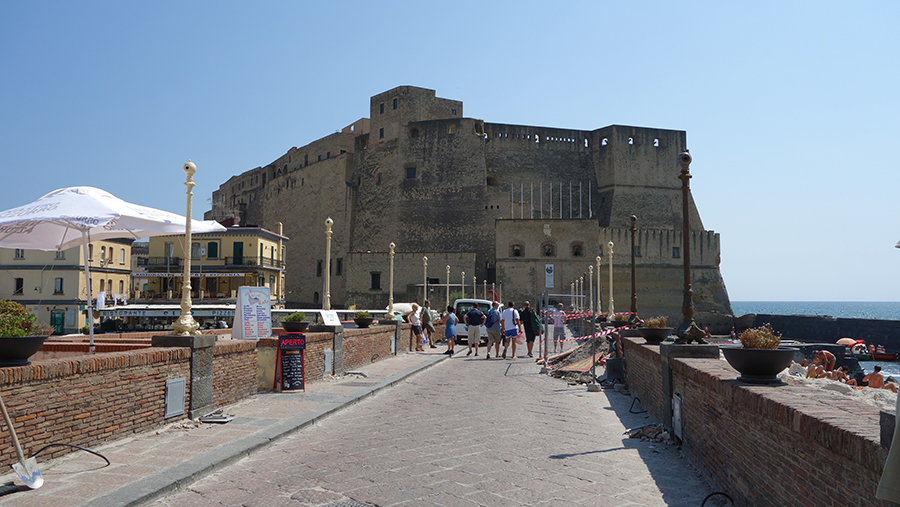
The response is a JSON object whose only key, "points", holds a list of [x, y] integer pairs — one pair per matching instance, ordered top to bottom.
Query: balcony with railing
{"points": [[174, 262]]}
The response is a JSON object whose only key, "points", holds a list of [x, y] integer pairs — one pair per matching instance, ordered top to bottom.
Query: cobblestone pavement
{"points": [[466, 432]]}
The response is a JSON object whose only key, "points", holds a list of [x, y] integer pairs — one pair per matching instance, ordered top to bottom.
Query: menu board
{"points": [[252, 314], [291, 348]]}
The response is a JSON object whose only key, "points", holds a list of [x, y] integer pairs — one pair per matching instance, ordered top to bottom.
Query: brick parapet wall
{"points": [[365, 346], [644, 370], [234, 371], [88, 400], [770, 446]]}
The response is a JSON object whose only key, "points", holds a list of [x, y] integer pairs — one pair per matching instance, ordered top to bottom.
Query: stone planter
{"points": [[363, 322], [295, 327], [655, 335], [15, 351], [759, 366]]}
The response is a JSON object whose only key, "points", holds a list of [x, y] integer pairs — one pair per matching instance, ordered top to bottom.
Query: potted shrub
{"points": [[363, 319], [617, 320], [293, 323], [654, 330], [20, 335], [760, 357]]}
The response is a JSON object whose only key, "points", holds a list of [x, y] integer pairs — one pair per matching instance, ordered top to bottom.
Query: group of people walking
{"points": [[509, 329]]}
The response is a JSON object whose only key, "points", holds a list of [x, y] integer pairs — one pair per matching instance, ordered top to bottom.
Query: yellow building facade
{"points": [[220, 263], [52, 285]]}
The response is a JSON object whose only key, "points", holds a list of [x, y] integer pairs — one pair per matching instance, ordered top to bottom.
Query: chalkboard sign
{"points": [[292, 354]]}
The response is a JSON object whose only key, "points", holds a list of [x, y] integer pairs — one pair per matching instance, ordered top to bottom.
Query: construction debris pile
{"points": [[574, 365], [650, 433]]}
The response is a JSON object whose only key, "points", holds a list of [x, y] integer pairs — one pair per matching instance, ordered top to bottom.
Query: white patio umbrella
{"points": [[78, 215]]}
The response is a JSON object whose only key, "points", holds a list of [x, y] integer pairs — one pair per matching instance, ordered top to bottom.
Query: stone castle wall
{"points": [[420, 175]]}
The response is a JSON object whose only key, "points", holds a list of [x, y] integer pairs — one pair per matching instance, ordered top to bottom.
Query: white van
{"points": [[461, 306]]}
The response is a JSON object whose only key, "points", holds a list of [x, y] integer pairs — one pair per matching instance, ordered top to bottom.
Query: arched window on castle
{"points": [[548, 249], [577, 249], [516, 250]]}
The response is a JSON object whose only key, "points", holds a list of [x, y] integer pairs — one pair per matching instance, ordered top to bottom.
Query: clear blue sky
{"points": [[791, 108]]}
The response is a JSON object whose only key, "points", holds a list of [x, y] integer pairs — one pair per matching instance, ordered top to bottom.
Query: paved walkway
{"points": [[466, 432]]}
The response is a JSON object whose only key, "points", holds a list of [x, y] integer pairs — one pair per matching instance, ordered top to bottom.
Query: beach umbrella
{"points": [[78, 215], [849, 342]]}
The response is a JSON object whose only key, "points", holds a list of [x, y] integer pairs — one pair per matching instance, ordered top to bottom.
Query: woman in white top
{"points": [[416, 326]]}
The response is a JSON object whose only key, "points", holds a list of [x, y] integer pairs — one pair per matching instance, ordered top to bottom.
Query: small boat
{"points": [[861, 351], [884, 356]]}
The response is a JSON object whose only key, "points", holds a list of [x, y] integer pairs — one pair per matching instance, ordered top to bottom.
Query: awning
{"points": [[168, 311]]}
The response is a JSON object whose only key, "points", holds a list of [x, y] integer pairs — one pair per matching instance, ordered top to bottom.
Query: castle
{"points": [[524, 209]]}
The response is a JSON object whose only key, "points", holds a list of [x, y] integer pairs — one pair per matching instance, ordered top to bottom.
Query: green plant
{"points": [[362, 315], [295, 317], [14, 319], [656, 322], [42, 329], [84, 330], [763, 337]]}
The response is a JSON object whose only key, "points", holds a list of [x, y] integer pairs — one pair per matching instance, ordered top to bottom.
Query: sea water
{"points": [[880, 310]]}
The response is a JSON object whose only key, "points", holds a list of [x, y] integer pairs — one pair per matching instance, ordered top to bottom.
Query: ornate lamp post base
{"points": [[688, 332]]}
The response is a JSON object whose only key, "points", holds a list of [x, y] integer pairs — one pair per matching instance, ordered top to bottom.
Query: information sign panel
{"points": [[252, 314], [330, 318]]}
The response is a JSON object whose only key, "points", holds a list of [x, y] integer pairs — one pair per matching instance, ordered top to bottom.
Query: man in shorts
{"points": [[473, 320], [512, 325], [559, 327], [494, 330]]}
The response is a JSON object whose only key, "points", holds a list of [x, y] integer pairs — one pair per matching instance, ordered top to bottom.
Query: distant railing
{"points": [[164, 261], [254, 261], [156, 262]]}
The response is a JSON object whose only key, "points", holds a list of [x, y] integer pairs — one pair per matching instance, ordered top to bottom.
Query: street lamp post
{"points": [[391, 282], [425, 283], [463, 284], [448, 286], [591, 287], [633, 289], [326, 301], [599, 305], [612, 306], [186, 325], [688, 331]]}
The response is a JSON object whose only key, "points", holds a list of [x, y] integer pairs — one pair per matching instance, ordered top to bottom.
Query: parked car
{"points": [[461, 306]]}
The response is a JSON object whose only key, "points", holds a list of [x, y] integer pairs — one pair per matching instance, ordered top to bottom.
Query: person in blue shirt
{"points": [[473, 319], [494, 329], [450, 330]]}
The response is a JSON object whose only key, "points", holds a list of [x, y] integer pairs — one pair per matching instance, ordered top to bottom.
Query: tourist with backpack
{"points": [[473, 319], [494, 329]]}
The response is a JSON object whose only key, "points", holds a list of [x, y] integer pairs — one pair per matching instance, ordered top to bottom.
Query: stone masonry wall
{"points": [[430, 180], [409, 275], [769, 446]]}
